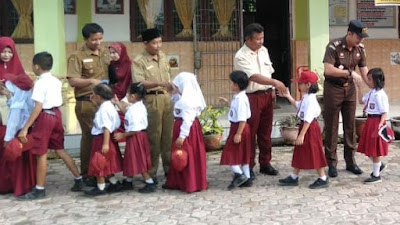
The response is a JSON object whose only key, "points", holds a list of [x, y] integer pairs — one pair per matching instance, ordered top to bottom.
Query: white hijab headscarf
{"points": [[189, 89]]}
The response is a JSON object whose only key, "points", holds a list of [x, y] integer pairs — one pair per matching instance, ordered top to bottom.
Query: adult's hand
{"points": [[357, 78], [280, 87]]}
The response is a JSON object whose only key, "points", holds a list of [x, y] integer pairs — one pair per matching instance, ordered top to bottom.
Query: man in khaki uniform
{"points": [[341, 58], [86, 68], [152, 69]]}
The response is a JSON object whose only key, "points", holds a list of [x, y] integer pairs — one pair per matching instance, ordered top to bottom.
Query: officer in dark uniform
{"points": [[341, 58]]}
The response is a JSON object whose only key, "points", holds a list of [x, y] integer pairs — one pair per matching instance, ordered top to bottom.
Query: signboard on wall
{"points": [[387, 2], [338, 12], [374, 16]]}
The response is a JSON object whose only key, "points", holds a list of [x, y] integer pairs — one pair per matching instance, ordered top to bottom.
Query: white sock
{"points": [[236, 169], [376, 169], [246, 170], [294, 176], [78, 178], [323, 178], [128, 179], [113, 180], [149, 181], [101, 186], [39, 187]]}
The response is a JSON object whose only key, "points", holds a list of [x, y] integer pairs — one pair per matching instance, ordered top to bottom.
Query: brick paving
{"points": [[346, 201]]}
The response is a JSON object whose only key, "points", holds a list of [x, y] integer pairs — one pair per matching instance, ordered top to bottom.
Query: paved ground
{"points": [[346, 201]]}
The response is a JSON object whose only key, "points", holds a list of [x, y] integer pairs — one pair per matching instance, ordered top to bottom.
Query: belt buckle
{"points": [[346, 84]]}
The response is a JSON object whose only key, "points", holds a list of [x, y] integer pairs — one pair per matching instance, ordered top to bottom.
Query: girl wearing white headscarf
{"points": [[187, 135]]}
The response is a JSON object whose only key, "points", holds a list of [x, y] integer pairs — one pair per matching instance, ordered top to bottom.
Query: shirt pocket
{"points": [[267, 67], [88, 68]]}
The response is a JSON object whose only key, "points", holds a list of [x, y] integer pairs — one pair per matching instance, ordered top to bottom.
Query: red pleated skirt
{"points": [[121, 128], [370, 143], [237, 154], [310, 155], [114, 157], [137, 158], [18, 176], [194, 177]]}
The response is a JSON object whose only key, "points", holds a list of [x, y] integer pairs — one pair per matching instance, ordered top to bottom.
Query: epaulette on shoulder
{"points": [[337, 42], [361, 45]]}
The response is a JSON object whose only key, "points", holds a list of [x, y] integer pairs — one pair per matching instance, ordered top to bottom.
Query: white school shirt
{"points": [[251, 63], [47, 90], [378, 102], [21, 106], [240, 108], [308, 108], [187, 114], [105, 117], [136, 117]]}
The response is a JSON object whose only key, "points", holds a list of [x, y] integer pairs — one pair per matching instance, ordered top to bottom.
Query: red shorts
{"points": [[48, 132]]}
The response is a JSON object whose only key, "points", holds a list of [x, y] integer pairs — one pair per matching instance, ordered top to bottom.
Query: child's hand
{"points": [[285, 94], [115, 100], [223, 100], [380, 125], [22, 136], [118, 136], [237, 138], [299, 140], [179, 142], [105, 149]]}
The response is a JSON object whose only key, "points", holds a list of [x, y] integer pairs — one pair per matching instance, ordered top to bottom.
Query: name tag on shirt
{"points": [[87, 60]]}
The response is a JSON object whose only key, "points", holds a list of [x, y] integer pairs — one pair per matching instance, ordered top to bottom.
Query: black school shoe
{"points": [[383, 166], [354, 169], [269, 170], [332, 171], [252, 175], [372, 179], [238, 180], [90, 181], [289, 181], [248, 183], [319, 183], [78, 185], [126, 185], [117, 187], [148, 188], [95, 192], [33, 195]]}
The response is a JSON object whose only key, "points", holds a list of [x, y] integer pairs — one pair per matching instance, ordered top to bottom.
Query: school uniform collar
{"points": [[90, 52], [149, 57], [45, 75], [240, 94]]}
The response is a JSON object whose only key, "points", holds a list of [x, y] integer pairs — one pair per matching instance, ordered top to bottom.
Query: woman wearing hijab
{"points": [[187, 136], [16, 176]]}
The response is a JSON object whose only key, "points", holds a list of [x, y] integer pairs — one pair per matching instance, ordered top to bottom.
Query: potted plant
{"points": [[289, 127], [211, 128]]}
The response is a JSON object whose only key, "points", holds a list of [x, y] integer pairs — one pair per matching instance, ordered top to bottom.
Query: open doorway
{"points": [[274, 16]]}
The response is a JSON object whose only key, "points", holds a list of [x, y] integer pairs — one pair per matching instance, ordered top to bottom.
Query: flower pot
{"points": [[360, 123], [395, 124], [289, 134], [213, 141]]}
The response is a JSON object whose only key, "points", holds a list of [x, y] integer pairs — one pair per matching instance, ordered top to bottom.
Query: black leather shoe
{"points": [[383, 166], [354, 169], [269, 170], [332, 171], [252, 175], [238, 180], [289, 181], [248, 183], [319, 183], [148, 188], [95, 192], [33, 195]]}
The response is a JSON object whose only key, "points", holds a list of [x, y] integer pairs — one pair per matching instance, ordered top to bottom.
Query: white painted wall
{"points": [[116, 27], [374, 33]]}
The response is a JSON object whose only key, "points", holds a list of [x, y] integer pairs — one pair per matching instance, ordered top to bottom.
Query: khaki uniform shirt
{"points": [[341, 57], [251, 63], [85, 64], [145, 67]]}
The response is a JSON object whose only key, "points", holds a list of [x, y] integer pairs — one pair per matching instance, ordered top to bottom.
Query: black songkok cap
{"points": [[359, 28], [150, 34]]}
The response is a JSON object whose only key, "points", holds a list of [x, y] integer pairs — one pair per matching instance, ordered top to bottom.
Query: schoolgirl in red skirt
{"points": [[376, 106], [105, 122], [187, 136], [236, 151], [308, 153], [137, 158]]}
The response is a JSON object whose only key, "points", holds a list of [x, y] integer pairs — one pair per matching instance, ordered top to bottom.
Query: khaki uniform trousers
{"points": [[339, 99], [85, 111], [160, 118]]}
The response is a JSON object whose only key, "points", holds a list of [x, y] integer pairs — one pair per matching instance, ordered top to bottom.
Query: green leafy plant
{"points": [[209, 120], [291, 121]]}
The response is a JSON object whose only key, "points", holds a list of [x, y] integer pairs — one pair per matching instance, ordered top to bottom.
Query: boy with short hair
{"points": [[47, 130]]}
